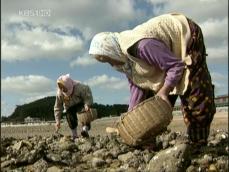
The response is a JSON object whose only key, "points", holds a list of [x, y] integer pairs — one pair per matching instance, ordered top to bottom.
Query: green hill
{"points": [[43, 109]]}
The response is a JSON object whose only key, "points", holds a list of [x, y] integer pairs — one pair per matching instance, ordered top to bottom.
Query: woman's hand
{"points": [[164, 92], [164, 97], [86, 107]]}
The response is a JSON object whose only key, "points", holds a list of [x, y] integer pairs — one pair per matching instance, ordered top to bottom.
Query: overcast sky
{"points": [[43, 39]]}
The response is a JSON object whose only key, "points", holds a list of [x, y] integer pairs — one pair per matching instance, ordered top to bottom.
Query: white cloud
{"points": [[198, 10], [101, 14], [212, 18], [215, 28], [215, 32], [65, 35], [24, 44], [217, 54], [85, 60], [218, 77], [104, 81], [220, 81], [27, 85], [33, 98], [6, 108]]}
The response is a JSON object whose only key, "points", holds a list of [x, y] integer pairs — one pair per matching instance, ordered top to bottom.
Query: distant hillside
{"points": [[43, 109]]}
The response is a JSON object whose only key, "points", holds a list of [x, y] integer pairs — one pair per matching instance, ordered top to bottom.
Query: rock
{"points": [[172, 142], [27, 143], [214, 143], [41, 144], [17, 145], [99, 145], [67, 146], [85, 147], [227, 149], [115, 151], [136, 152], [101, 153], [65, 154], [109, 154], [33, 156], [53, 157], [87, 157], [125, 157], [148, 157], [23, 158], [208, 158], [74, 159], [170, 160], [205, 161], [97, 162], [7, 163], [222, 163], [115, 164], [40, 166], [191, 168], [212, 168], [54, 169], [131, 169]]}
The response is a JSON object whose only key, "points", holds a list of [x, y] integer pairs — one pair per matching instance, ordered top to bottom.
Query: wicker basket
{"points": [[87, 116], [146, 120]]}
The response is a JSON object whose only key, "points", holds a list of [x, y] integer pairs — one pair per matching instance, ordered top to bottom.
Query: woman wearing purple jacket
{"points": [[164, 56]]}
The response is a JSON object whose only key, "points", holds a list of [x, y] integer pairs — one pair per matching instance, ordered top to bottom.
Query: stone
{"points": [[17, 145], [67, 146], [85, 147], [59, 153], [100, 153], [54, 157], [125, 157], [147, 157], [170, 160], [97, 162], [6, 163], [115, 164], [40, 166], [212, 168], [54, 169]]}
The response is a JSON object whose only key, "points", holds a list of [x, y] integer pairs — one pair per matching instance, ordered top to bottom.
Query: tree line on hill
{"points": [[43, 109]]}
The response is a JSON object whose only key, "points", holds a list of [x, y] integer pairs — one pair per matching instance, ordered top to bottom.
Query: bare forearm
{"points": [[165, 90]]}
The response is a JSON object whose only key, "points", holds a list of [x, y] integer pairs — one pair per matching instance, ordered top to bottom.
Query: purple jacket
{"points": [[155, 52]]}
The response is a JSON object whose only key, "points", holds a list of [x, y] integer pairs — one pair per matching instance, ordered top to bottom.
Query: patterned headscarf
{"points": [[106, 43], [68, 83]]}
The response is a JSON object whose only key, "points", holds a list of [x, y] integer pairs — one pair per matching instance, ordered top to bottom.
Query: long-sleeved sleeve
{"points": [[155, 52], [137, 95], [87, 96], [58, 108]]}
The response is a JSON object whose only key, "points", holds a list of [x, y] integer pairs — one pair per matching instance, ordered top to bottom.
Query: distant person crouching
{"points": [[72, 97]]}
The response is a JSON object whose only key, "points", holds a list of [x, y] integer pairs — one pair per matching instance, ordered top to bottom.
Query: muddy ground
{"points": [[220, 121], [40, 149]]}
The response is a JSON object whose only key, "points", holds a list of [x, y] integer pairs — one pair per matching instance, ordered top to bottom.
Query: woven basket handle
{"points": [[83, 111]]}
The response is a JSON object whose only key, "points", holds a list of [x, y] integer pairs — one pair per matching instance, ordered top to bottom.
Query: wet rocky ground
{"points": [[107, 153]]}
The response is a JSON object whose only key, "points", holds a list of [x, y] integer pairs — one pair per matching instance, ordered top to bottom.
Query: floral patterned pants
{"points": [[198, 104]]}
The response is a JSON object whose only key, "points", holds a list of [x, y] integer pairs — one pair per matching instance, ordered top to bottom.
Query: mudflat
{"points": [[220, 121]]}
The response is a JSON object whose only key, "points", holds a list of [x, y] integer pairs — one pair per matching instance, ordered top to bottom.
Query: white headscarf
{"points": [[106, 43]]}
